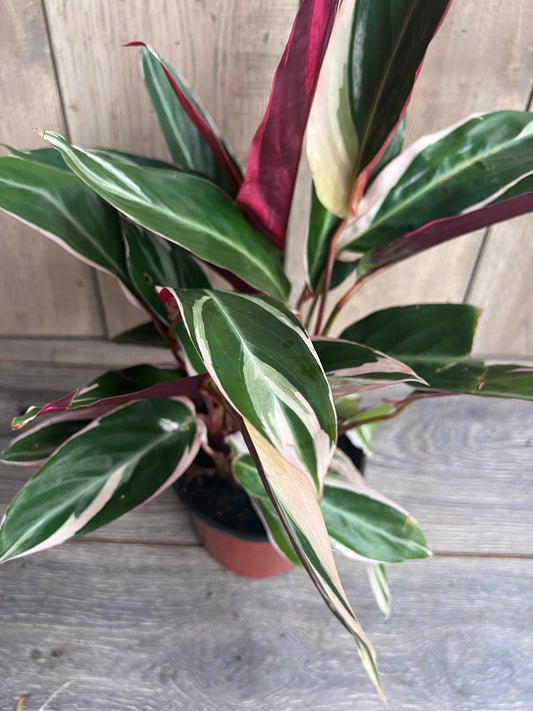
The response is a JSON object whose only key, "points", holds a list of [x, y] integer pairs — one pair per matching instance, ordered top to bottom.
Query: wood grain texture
{"points": [[226, 51], [480, 60], [503, 283], [43, 290], [462, 467], [137, 617], [144, 629]]}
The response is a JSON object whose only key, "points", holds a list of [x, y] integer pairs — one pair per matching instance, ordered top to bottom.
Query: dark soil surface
{"points": [[220, 500]]}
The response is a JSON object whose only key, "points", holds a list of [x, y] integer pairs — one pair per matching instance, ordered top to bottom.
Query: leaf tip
{"points": [[39, 132]]}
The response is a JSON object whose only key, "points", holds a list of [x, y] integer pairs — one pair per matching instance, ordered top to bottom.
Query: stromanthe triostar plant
{"points": [[245, 362]]}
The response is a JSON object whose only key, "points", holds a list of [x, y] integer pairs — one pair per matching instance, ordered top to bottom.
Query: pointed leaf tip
{"points": [[39, 132]]}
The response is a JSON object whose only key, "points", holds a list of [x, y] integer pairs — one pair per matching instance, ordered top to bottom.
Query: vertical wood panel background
{"points": [[62, 67]]}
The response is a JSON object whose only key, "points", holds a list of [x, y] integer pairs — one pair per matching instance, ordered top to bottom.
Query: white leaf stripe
{"points": [[331, 147], [125, 186], [369, 215], [274, 395], [98, 496], [299, 510]]}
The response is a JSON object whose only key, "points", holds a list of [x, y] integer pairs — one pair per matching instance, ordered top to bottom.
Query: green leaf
{"points": [[366, 80], [185, 144], [457, 173], [57, 203], [185, 209], [322, 226], [153, 261], [419, 332], [144, 335], [435, 340], [263, 364], [353, 368], [41, 441], [114, 465], [245, 471], [365, 526], [380, 587]]}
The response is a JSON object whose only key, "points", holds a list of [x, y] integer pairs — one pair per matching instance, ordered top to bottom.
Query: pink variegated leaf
{"points": [[373, 59], [191, 135], [466, 177], [266, 193], [353, 368], [117, 387], [283, 403], [33, 447], [114, 465]]}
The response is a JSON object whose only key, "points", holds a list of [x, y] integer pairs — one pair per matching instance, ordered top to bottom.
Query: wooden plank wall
{"points": [[62, 67]]}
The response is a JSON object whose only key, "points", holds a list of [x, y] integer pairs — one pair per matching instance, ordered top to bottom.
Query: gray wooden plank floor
{"points": [[137, 617]]}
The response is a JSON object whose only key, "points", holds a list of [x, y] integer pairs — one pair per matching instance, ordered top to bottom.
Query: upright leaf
{"points": [[359, 103], [190, 134], [458, 180], [266, 194], [185, 209], [323, 225], [283, 402], [114, 465]]}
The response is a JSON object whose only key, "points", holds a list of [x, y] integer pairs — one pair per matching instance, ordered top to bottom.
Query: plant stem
{"points": [[327, 277], [304, 296], [401, 405]]}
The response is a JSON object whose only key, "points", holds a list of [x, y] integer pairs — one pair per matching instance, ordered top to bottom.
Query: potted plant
{"points": [[263, 390]]}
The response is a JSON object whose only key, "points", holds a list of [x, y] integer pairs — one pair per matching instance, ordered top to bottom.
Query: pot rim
{"points": [[242, 535]]}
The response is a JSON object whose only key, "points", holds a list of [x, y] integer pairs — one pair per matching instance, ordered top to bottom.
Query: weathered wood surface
{"points": [[481, 60], [43, 290], [136, 616], [146, 628]]}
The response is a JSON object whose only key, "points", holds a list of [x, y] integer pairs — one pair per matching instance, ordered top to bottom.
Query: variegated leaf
{"points": [[367, 76], [192, 138], [444, 185], [43, 193], [266, 193], [184, 209], [323, 224], [153, 261], [353, 368], [116, 387], [280, 388], [286, 412], [35, 445], [114, 465], [245, 471], [364, 525], [380, 587]]}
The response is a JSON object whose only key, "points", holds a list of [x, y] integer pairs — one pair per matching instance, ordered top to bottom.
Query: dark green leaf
{"points": [[185, 144], [60, 205], [185, 209], [153, 261], [41, 441], [112, 466]]}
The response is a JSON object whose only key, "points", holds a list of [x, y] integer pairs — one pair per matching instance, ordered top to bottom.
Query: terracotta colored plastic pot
{"points": [[244, 554]]}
